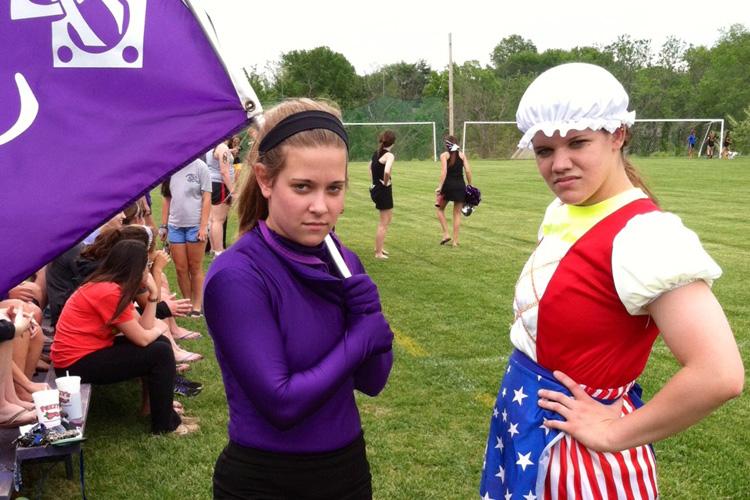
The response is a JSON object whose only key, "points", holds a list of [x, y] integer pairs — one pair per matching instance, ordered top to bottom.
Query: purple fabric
{"points": [[102, 135], [293, 342]]}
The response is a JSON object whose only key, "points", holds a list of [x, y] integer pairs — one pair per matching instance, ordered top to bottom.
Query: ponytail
{"points": [[385, 140], [634, 175]]}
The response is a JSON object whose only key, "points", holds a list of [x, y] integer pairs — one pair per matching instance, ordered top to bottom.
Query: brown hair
{"points": [[385, 139], [453, 154], [632, 172], [252, 206], [133, 212], [108, 238], [124, 265]]}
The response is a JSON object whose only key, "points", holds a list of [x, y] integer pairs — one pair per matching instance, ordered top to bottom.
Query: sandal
{"points": [[444, 241], [188, 336], [189, 357], [182, 367], [21, 417], [189, 420], [185, 429]]}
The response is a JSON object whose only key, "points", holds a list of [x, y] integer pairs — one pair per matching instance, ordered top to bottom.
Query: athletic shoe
{"points": [[180, 380]]}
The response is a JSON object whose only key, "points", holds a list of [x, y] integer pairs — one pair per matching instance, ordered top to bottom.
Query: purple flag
{"points": [[99, 101]]}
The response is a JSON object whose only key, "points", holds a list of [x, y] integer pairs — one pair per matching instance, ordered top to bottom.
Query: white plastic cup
{"points": [[70, 397], [47, 405]]}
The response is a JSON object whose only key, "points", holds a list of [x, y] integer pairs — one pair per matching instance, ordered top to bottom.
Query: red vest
{"points": [[583, 328]]}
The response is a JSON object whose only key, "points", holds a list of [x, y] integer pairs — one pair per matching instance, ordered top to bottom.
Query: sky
{"points": [[373, 34]]}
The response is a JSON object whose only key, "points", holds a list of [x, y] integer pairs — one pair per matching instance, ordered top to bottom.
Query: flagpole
{"points": [[337, 258]]}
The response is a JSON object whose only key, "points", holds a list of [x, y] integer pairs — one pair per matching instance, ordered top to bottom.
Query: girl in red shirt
{"points": [[87, 341]]}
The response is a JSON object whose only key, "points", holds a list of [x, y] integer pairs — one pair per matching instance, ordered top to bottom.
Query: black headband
{"points": [[299, 122]]}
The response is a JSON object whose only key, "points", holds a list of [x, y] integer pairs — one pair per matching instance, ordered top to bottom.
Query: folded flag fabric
{"points": [[101, 100]]}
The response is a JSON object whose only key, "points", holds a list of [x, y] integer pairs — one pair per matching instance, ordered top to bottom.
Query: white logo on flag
{"points": [[66, 53]]}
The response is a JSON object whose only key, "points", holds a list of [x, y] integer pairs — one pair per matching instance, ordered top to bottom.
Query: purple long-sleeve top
{"points": [[276, 314]]}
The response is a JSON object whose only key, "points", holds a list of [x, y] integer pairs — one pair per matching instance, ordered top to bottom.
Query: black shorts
{"points": [[219, 193], [382, 196]]}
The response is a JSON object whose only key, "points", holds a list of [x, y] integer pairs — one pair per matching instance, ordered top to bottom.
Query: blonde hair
{"points": [[634, 175], [252, 206]]}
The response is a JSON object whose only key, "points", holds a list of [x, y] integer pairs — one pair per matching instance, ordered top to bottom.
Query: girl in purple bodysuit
{"points": [[293, 338]]}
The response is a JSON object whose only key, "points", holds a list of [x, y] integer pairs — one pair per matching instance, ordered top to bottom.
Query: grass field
{"points": [[450, 309]]}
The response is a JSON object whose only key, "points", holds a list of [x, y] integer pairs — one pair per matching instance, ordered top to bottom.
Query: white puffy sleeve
{"points": [[655, 253]]}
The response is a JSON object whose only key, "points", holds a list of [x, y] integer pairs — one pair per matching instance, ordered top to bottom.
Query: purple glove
{"points": [[361, 295], [365, 324], [370, 332]]}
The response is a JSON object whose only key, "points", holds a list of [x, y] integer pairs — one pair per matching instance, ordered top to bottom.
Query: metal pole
{"points": [[450, 84], [434, 142]]}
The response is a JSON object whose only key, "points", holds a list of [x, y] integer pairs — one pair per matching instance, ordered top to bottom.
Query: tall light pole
{"points": [[450, 84]]}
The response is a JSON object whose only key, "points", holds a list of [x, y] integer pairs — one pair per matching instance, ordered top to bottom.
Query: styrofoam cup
{"points": [[70, 396], [47, 405]]}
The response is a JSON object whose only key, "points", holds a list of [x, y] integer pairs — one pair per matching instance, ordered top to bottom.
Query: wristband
{"points": [[153, 300]]}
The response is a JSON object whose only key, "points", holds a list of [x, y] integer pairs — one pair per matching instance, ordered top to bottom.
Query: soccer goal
{"points": [[669, 136], [650, 137], [414, 140]]}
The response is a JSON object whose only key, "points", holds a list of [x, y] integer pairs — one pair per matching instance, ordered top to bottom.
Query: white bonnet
{"points": [[573, 96]]}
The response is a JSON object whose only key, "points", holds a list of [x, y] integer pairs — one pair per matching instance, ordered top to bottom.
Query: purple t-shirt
{"points": [[277, 317]]}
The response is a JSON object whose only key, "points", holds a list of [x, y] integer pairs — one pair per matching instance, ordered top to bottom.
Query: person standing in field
{"points": [[691, 144], [710, 144], [726, 144], [220, 162], [452, 187], [381, 190], [184, 222], [609, 274], [293, 337]]}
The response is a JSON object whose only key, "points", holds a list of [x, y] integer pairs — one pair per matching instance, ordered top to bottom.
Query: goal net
{"points": [[650, 137], [414, 140]]}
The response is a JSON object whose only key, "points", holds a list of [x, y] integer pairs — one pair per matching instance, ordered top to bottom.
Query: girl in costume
{"points": [[452, 187], [381, 190], [611, 271], [293, 336]]}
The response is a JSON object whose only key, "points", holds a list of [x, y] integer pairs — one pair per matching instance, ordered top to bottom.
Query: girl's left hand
{"points": [[587, 420]]}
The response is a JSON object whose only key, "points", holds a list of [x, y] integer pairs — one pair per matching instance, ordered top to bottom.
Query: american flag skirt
{"points": [[525, 460]]}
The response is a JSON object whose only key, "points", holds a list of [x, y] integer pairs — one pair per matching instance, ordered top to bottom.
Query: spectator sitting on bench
{"points": [[92, 256], [86, 341], [28, 345], [13, 412]]}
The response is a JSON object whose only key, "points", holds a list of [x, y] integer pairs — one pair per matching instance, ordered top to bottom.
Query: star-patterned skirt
{"points": [[525, 460]]}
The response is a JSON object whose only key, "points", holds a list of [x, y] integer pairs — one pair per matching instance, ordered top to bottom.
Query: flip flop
{"points": [[444, 241], [188, 336], [189, 357], [182, 367], [16, 420]]}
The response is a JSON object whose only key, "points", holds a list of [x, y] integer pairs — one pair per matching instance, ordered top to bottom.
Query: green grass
{"points": [[450, 309]]}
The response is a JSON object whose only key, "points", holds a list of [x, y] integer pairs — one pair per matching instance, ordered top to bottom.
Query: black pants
{"points": [[125, 361], [248, 473]]}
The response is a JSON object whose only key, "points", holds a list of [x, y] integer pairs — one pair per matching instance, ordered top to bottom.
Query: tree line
{"points": [[676, 80]]}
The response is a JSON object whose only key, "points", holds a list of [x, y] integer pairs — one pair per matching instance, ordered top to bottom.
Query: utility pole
{"points": [[450, 84]]}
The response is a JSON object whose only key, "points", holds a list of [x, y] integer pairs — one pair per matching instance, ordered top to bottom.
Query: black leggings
{"points": [[125, 361], [248, 473]]}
